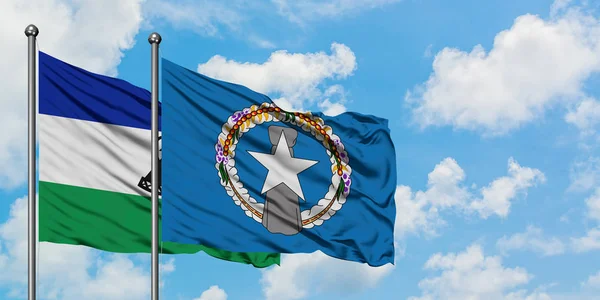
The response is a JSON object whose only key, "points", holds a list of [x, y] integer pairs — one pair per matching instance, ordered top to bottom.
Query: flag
{"points": [[94, 164], [242, 174]]}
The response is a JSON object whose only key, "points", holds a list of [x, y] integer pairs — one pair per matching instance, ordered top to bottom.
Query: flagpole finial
{"points": [[32, 30], [154, 38]]}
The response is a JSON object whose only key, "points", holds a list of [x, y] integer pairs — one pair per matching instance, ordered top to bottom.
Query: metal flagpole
{"points": [[31, 32], [154, 40]]}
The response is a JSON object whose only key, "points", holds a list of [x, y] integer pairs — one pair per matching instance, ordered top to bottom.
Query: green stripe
{"points": [[114, 222]]}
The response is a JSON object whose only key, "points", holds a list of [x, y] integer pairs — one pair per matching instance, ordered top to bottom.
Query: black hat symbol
{"points": [[146, 181]]}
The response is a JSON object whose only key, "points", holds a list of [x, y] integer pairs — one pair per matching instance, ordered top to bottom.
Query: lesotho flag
{"points": [[241, 174]]}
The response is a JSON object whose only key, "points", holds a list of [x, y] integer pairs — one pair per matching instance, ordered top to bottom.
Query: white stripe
{"points": [[93, 155]]}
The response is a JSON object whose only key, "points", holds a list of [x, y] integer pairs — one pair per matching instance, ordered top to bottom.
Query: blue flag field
{"points": [[241, 174]]}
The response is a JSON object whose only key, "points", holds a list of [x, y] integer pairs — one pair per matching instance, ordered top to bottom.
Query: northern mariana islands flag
{"points": [[242, 174]]}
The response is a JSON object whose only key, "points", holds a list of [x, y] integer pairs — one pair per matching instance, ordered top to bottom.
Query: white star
{"points": [[283, 168]]}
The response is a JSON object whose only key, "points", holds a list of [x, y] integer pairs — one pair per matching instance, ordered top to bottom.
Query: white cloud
{"points": [[559, 6], [302, 11], [204, 17], [70, 30], [261, 42], [428, 51], [294, 77], [498, 91], [334, 100], [331, 109], [586, 116], [585, 175], [444, 188], [496, 196], [593, 206], [419, 211], [415, 214], [532, 239], [589, 242], [167, 267], [66, 271], [303, 275], [472, 275], [117, 278], [593, 282], [213, 293], [524, 295]]}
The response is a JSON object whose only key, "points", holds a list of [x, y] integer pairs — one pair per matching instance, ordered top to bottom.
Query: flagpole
{"points": [[31, 32], [154, 40]]}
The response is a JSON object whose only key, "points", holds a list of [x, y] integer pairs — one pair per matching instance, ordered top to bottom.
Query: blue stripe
{"points": [[72, 92]]}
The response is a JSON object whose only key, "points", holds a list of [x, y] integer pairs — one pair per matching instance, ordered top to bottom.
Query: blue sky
{"points": [[492, 106]]}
